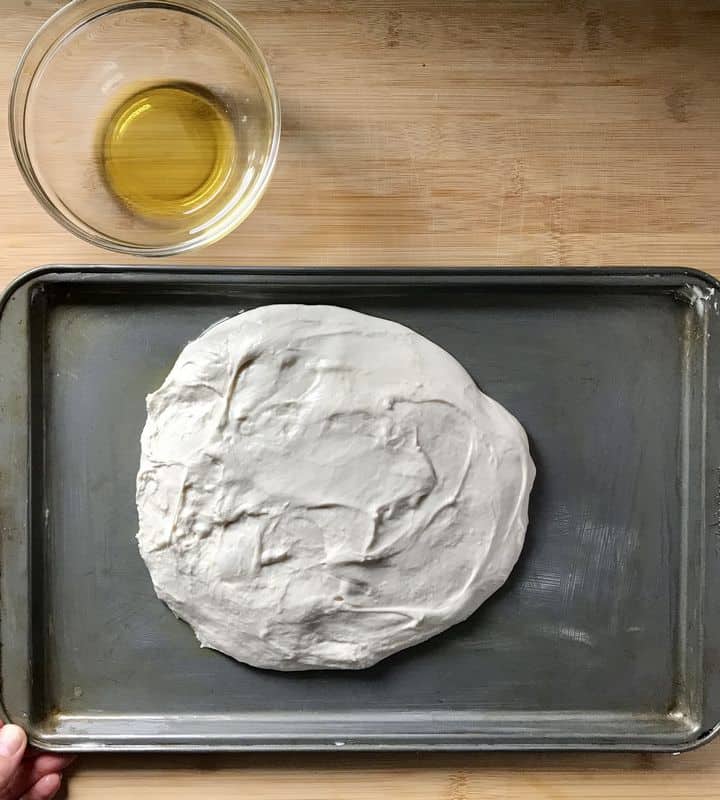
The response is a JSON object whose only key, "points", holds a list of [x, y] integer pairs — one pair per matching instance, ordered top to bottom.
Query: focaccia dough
{"points": [[322, 488]]}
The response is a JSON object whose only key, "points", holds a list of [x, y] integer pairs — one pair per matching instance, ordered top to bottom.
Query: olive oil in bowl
{"points": [[149, 128], [170, 152]]}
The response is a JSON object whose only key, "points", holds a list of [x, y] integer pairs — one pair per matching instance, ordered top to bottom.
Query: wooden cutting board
{"points": [[497, 133]]}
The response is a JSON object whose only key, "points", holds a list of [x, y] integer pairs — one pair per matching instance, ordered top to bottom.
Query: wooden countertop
{"points": [[448, 133]]}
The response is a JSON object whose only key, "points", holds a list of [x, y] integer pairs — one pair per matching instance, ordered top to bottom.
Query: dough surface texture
{"points": [[319, 488]]}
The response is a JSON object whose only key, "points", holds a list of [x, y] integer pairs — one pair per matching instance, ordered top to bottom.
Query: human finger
{"points": [[12, 747], [46, 763], [45, 789]]}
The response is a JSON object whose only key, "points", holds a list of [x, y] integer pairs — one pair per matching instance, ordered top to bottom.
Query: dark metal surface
{"points": [[607, 633]]}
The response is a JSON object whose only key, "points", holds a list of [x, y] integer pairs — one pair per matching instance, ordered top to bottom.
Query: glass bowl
{"points": [[94, 57]]}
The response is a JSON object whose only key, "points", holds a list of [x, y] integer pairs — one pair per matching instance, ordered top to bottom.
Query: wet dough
{"points": [[321, 488]]}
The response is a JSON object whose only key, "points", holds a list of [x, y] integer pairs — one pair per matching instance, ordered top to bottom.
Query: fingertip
{"points": [[12, 740], [44, 764], [45, 789]]}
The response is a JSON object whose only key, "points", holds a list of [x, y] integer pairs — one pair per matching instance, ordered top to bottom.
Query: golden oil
{"points": [[168, 151]]}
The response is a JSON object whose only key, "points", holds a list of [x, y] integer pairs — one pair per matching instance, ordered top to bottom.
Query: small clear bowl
{"points": [[91, 55]]}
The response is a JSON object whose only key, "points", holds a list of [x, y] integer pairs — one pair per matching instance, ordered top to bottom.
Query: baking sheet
{"points": [[605, 636]]}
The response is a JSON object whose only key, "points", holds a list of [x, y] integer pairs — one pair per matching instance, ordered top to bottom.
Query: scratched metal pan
{"points": [[607, 635]]}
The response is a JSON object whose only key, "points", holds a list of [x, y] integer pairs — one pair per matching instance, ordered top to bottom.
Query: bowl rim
{"points": [[63, 23]]}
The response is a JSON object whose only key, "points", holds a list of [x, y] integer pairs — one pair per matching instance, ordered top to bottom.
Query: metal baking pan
{"points": [[606, 635]]}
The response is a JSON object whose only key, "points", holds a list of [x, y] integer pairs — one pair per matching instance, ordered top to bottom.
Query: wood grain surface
{"points": [[448, 133]]}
